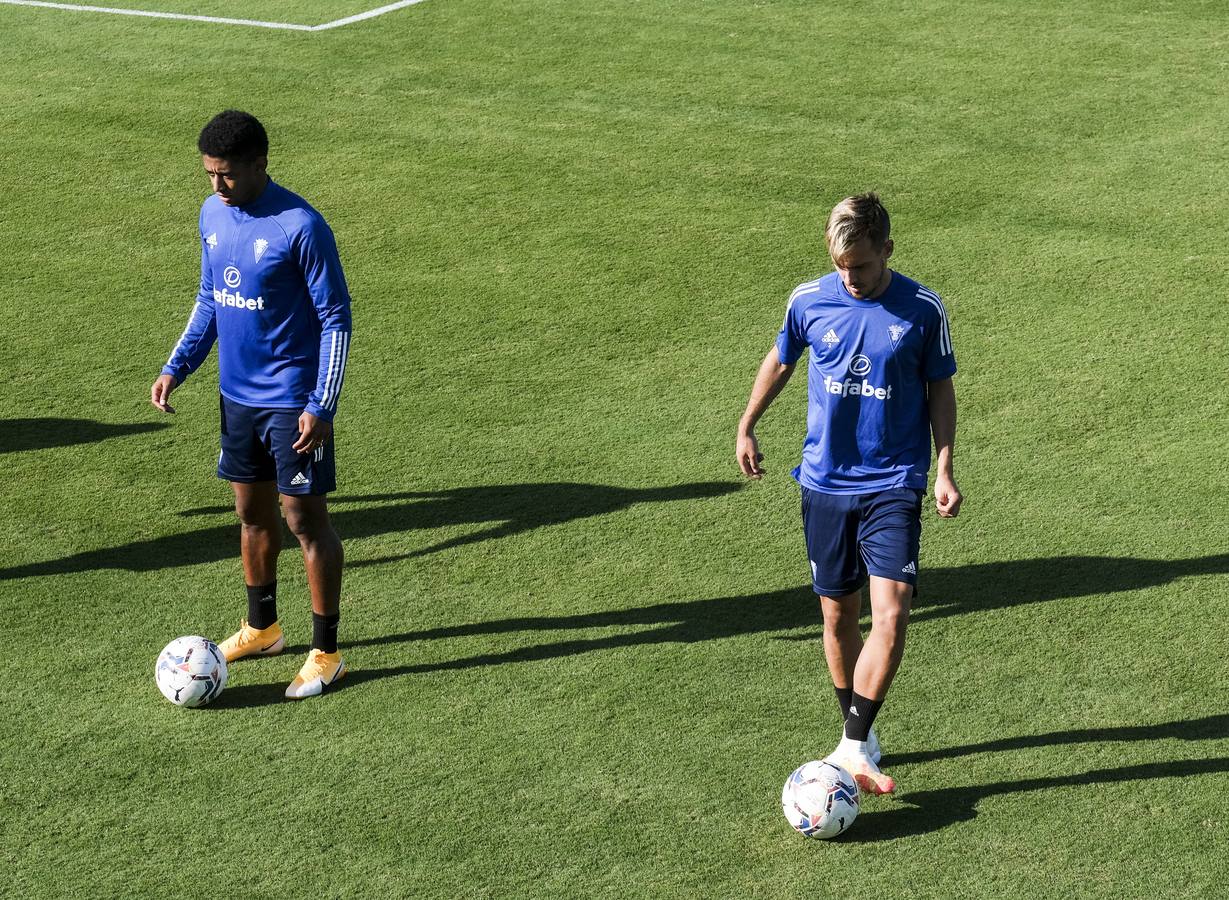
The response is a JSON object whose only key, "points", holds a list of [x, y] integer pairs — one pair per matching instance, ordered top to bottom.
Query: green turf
{"points": [[584, 656]]}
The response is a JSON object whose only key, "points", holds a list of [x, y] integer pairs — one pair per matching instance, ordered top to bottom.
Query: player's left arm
{"points": [[316, 251], [941, 400]]}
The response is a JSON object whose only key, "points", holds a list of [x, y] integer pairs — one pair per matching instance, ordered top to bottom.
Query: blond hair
{"points": [[853, 219]]}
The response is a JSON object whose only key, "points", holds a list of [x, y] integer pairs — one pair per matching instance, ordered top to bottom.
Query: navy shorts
{"points": [[258, 445], [852, 535]]}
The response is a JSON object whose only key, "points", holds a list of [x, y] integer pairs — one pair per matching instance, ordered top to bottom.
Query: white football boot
{"points": [[852, 756]]}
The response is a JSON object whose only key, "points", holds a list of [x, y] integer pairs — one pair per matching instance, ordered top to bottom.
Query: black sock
{"points": [[262, 605], [324, 632], [844, 696], [862, 712]]}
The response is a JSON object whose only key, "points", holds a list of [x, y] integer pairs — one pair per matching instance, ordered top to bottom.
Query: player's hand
{"points": [[161, 392], [314, 433], [749, 456], [947, 496]]}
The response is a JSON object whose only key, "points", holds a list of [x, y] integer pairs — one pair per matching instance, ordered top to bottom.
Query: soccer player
{"points": [[273, 297], [879, 383]]}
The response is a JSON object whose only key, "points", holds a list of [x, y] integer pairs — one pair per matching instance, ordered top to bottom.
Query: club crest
{"points": [[259, 247], [896, 332]]}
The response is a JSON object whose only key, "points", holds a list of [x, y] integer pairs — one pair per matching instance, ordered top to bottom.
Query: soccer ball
{"points": [[191, 671], [820, 800]]}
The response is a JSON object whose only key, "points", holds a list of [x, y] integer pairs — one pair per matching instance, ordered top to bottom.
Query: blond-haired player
{"points": [[879, 386]]}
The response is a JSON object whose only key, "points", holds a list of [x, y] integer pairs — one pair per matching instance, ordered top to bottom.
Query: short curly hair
{"points": [[234, 134]]}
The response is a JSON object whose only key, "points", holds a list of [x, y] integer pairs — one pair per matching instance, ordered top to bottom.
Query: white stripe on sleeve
{"points": [[945, 342], [179, 343], [339, 348]]}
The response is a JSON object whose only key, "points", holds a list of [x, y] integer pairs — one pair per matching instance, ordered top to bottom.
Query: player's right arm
{"points": [[194, 344], [774, 372], [769, 381]]}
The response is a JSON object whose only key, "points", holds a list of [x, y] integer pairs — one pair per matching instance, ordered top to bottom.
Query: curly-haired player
{"points": [[273, 297]]}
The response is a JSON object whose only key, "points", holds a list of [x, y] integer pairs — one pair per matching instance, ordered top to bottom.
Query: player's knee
{"points": [[254, 515], [300, 523], [308, 525], [261, 534], [840, 621], [892, 624]]}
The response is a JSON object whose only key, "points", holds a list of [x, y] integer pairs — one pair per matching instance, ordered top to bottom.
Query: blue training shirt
{"points": [[274, 298], [868, 425]]}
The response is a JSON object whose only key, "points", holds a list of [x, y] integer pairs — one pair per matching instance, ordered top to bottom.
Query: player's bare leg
{"points": [[308, 519], [260, 539], [260, 542], [842, 636], [885, 645], [842, 647], [877, 664]]}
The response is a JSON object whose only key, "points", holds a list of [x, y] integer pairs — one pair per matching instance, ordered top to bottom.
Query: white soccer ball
{"points": [[190, 671], [820, 799]]}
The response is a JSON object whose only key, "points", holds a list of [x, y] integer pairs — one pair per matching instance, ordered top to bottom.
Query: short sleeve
{"points": [[792, 340], [939, 359]]}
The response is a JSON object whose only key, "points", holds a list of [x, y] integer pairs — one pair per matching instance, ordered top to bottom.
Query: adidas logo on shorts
{"points": [[299, 480], [910, 569]]}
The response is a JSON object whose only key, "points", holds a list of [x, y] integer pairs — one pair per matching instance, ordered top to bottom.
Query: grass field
{"points": [[584, 655]]}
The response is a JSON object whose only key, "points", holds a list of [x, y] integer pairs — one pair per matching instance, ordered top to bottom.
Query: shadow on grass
{"points": [[42, 434], [510, 509], [1000, 585], [955, 591], [692, 621], [687, 622], [695, 622], [668, 623], [245, 696], [1211, 727], [918, 812], [923, 812]]}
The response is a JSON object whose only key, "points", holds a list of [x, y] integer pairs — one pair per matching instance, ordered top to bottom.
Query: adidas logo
{"points": [[212, 241], [259, 246], [830, 338], [299, 479], [910, 569], [853, 711]]}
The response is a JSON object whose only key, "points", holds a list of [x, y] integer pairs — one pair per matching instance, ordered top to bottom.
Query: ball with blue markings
{"points": [[190, 671], [820, 800]]}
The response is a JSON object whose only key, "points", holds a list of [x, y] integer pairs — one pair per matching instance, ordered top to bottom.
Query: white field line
{"points": [[370, 14], [216, 20]]}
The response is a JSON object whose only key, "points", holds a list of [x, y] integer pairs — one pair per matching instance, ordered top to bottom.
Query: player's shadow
{"points": [[41, 434], [504, 510], [978, 588], [963, 589], [794, 611], [684, 622], [664, 623], [246, 696], [1210, 727], [926, 811], [922, 812]]}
